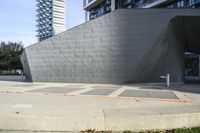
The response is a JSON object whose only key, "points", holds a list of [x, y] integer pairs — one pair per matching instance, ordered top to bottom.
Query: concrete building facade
{"points": [[96, 8], [50, 18], [124, 46]]}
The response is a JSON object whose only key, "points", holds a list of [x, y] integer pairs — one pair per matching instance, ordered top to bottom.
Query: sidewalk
{"points": [[77, 107]]}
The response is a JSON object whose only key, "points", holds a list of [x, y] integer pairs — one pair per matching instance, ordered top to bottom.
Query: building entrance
{"points": [[192, 68]]}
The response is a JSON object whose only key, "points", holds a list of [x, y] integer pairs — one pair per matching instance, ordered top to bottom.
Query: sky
{"points": [[17, 19]]}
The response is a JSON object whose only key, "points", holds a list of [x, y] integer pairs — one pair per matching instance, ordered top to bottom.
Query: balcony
{"points": [[193, 2], [153, 3], [92, 4]]}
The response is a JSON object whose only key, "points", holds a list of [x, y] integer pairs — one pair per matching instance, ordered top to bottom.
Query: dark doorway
{"points": [[187, 31], [192, 66]]}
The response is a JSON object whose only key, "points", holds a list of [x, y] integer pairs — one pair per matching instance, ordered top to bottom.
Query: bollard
{"points": [[167, 77], [168, 80]]}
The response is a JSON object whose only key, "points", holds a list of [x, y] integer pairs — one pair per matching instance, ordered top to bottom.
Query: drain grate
{"points": [[149, 94]]}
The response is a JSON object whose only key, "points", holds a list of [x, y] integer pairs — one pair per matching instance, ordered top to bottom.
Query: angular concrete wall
{"points": [[125, 46]]}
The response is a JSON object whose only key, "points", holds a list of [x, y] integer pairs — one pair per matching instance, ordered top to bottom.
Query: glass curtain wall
{"points": [[101, 9]]}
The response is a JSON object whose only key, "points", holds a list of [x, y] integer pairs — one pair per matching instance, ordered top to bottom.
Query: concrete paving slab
{"points": [[106, 87], [56, 90], [79, 92], [100, 92], [117, 92], [134, 93], [149, 94], [162, 94]]}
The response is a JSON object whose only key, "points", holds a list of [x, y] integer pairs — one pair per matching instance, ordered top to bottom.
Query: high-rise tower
{"points": [[50, 18]]}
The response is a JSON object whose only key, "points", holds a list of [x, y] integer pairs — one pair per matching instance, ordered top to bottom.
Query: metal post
{"points": [[112, 5], [168, 80]]}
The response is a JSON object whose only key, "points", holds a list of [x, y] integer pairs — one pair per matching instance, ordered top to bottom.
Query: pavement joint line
{"points": [[131, 88], [80, 91], [117, 92], [180, 95]]}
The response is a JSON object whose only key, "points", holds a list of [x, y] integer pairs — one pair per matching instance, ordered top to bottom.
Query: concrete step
{"points": [[134, 119]]}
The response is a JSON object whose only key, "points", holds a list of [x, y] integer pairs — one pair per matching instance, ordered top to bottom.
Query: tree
{"points": [[10, 53]]}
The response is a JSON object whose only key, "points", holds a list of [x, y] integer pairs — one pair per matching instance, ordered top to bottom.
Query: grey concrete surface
{"points": [[125, 46], [13, 78], [106, 87], [56, 90], [99, 92], [149, 94], [23, 110]]}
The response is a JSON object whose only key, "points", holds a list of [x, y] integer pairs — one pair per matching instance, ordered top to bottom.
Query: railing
{"points": [[87, 2], [146, 3], [189, 4]]}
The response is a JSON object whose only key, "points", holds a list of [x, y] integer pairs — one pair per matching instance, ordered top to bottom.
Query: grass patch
{"points": [[181, 130]]}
